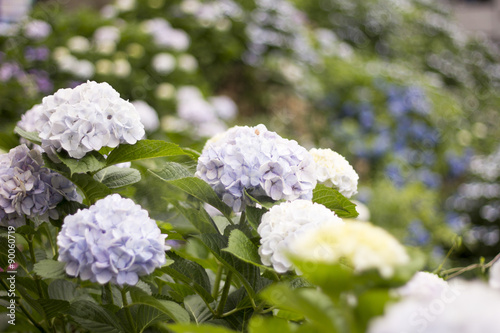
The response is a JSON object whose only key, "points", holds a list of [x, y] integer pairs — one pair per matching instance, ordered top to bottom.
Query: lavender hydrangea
{"points": [[87, 118], [28, 123], [257, 161], [28, 189], [112, 241]]}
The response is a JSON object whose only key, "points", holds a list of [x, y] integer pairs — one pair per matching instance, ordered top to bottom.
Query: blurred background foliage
{"points": [[393, 85]]}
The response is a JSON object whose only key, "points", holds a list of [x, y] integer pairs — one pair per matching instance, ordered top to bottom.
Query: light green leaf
{"points": [[31, 136], [8, 141], [143, 149], [91, 162], [172, 171], [115, 177], [333, 200], [242, 247], [50, 269], [171, 309], [197, 309], [147, 316], [261, 324], [193, 328]]}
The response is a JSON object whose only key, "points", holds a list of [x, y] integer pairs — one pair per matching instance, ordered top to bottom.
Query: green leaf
{"points": [[31, 136], [8, 141], [143, 149], [91, 162], [172, 171], [115, 177], [193, 186], [333, 200], [263, 201], [65, 208], [254, 215], [198, 218], [26, 230], [242, 247], [50, 269], [192, 274], [62, 290], [311, 303], [370, 304], [53, 307], [169, 308], [197, 309], [147, 316], [95, 318], [260, 324], [193, 328]]}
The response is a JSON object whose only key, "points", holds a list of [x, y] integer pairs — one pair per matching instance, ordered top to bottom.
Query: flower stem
{"points": [[242, 218], [51, 241], [33, 260], [218, 276], [225, 292], [125, 306]]}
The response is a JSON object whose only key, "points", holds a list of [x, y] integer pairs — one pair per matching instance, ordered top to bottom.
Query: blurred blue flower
{"points": [[417, 234]]}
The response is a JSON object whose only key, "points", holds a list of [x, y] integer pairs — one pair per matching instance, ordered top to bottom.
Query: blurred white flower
{"points": [[125, 5], [37, 29], [107, 33], [165, 36], [78, 44], [164, 63], [187, 63], [104, 66], [122, 68], [83, 69], [165, 91], [191, 106], [224, 107], [149, 116], [334, 170], [363, 211], [283, 224], [362, 244], [495, 275], [423, 285], [464, 307]]}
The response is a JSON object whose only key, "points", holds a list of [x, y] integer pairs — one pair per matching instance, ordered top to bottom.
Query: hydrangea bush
{"points": [[288, 256]]}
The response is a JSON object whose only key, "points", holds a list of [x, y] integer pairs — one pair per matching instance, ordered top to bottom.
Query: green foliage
{"points": [[143, 149], [332, 199]]}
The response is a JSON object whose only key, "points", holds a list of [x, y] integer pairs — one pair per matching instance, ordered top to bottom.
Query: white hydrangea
{"points": [[37, 29], [165, 36], [164, 63], [224, 107], [149, 117], [86, 118], [334, 170], [283, 224], [362, 244], [495, 275], [423, 285], [464, 307]]}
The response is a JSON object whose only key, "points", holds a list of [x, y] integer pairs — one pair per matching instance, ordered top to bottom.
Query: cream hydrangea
{"points": [[334, 170], [283, 224], [362, 244], [495, 275]]}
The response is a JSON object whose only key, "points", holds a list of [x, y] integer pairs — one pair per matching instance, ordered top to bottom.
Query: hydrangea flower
{"points": [[148, 115], [87, 118], [28, 123], [257, 161], [334, 170], [29, 189], [283, 224], [113, 240], [361, 244], [495, 275], [423, 285], [465, 307]]}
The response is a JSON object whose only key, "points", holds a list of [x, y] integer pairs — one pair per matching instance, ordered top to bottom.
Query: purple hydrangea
{"points": [[87, 118], [258, 161], [28, 189], [112, 241]]}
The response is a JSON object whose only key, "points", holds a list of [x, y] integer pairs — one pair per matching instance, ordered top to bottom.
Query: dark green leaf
{"points": [[31, 136], [8, 141], [143, 149], [91, 162], [172, 171], [115, 177], [193, 186], [333, 200], [263, 201], [254, 215], [198, 218], [50, 269], [370, 304], [53, 307], [170, 309], [197, 309], [147, 316], [95, 318], [193, 328]]}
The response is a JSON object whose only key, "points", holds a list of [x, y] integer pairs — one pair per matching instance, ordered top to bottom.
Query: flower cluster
{"points": [[165, 36], [86, 118], [257, 161], [332, 169], [29, 189], [283, 224], [113, 240], [361, 244], [460, 307]]}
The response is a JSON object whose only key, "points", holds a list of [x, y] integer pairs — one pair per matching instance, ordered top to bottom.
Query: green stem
{"points": [[242, 218], [51, 241], [33, 260], [218, 276], [225, 293], [125, 306]]}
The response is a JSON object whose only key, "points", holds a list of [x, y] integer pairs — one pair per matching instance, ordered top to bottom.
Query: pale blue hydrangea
{"points": [[87, 118], [28, 123], [258, 161], [28, 189], [113, 240]]}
